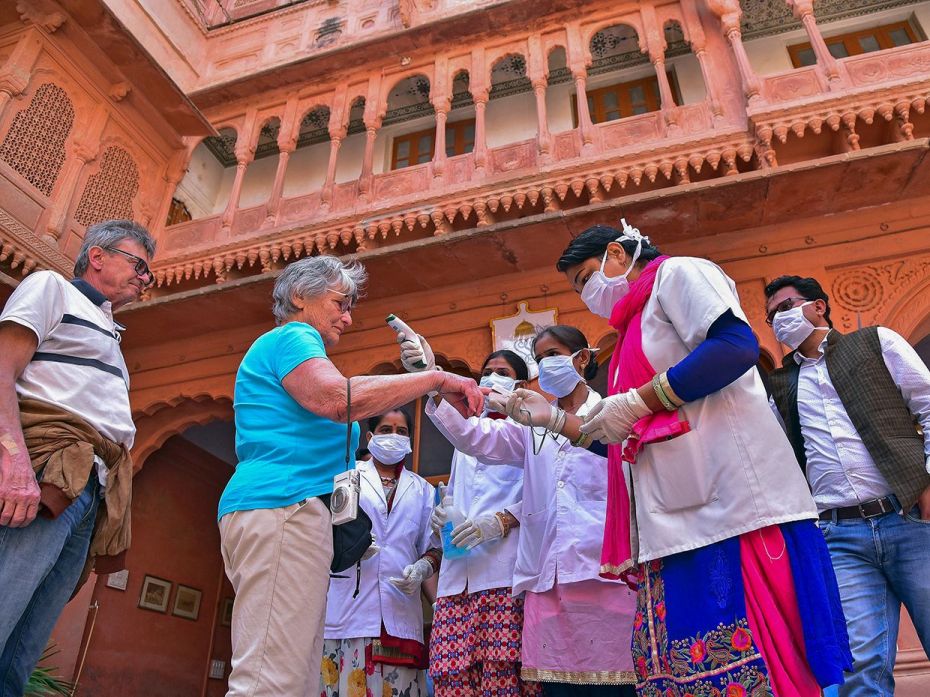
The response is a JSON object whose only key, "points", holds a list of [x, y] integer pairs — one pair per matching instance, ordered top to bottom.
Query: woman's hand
{"points": [[415, 353], [462, 393], [526, 407], [611, 420], [475, 531], [414, 575]]}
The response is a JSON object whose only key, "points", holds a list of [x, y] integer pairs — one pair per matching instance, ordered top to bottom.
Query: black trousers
{"points": [[564, 689]]}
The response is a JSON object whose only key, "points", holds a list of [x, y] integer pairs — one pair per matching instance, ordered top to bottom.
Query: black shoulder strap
{"points": [[348, 420]]}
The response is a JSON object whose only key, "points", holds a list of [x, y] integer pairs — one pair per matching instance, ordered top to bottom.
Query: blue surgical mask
{"points": [[557, 374]]}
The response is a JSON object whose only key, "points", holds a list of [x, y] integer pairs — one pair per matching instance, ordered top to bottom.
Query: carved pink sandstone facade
{"points": [[820, 170]]}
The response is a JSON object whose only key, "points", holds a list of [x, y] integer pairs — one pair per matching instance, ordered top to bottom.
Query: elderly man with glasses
{"points": [[857, 411], [65, 434]]}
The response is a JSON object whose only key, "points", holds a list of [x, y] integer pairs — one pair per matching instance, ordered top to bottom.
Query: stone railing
{"points": [[419, 200]]}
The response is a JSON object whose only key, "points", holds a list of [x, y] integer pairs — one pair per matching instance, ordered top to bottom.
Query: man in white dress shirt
{"points": [[856, 408]]}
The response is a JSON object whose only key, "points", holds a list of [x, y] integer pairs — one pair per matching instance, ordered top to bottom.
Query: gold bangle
{"points": [[657, 388], [669, 392], [582, 441], [502, 521]]}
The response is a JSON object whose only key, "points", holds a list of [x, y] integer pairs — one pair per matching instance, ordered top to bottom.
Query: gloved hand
{"points": [[415, 352], [525, 407], [611, 420], [438, 518], [474, 531], [372, 550], [414, 575]]}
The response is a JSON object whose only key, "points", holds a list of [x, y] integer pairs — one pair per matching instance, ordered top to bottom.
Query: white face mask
{"points": [[601, 293], [792, 327], [557, 375], [496, 380], [505, 383], [389, 448]]}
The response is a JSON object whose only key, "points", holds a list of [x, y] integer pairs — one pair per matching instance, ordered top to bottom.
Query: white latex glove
{"points": [[415, 353], [526, 407], [611, 420], [438, 518], [474, 531], [371, 551], [414, 575]]}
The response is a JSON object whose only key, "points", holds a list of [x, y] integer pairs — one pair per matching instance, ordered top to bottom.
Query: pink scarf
{"points": [[630, 368]]}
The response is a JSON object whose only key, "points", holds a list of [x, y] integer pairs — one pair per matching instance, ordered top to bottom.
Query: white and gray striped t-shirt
{"points": [[78, 364]]}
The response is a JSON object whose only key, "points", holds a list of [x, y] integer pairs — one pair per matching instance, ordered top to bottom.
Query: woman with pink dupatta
{"points": [[735, 591]]}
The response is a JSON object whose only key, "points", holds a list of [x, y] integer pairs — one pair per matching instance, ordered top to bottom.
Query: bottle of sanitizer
{"points": [[454, 518]]}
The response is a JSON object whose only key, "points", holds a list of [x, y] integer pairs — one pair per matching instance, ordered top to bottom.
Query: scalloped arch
{"points": [[910, 314], [152, 430]]}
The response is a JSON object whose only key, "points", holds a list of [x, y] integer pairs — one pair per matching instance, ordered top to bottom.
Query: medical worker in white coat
{"points": [[477, 624], [577, 626], [373, 642]]}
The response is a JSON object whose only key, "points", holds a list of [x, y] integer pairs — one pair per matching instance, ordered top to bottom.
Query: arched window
{"points": [[35, 144], [110, 191]]}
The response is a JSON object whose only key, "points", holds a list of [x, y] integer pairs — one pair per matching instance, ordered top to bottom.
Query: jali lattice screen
{"points": [[35, 144], [109, 192]]}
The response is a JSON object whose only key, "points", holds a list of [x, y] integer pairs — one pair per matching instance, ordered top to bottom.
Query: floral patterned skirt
{"points": [[751, 616], [475, 646], [349, 671]]}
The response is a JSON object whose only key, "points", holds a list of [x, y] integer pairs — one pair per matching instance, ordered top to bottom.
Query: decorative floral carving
{"points": [[859, 290]]}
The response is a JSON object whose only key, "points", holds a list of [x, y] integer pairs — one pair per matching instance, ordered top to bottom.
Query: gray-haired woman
{"points": [[290, 411]]}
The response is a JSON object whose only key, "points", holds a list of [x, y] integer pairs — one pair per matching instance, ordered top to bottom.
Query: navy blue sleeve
{"points": [[729, 350], [598, 448]]}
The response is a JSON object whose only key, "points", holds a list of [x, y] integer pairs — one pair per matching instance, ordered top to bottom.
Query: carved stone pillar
{"points": [[804, 11], [729, 13], [694, 32], [655, 49], [480, 98], [442, 108], [585, 125], [371, 132], [288, 133], [543, 137], [335, 142], [84, 150], [285, 150], [84, 154], [243, 158], [174, 173]]}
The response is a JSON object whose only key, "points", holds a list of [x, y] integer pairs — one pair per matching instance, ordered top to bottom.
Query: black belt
{"points": [[869, 509]]}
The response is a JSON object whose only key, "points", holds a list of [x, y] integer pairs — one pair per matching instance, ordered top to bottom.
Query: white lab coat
{"points": [[734, 471], [479, 487], [564, 495], [403, 535]]}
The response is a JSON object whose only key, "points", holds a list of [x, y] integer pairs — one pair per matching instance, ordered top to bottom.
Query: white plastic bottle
{"points": [[454, 518]]}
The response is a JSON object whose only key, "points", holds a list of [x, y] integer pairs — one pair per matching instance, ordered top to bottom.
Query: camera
{"points": [[344, 502]]}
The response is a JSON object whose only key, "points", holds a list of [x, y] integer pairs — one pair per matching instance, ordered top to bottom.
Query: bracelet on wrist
{"points": [[669, 392], [660, 393], [582, 441], [501, 519]]}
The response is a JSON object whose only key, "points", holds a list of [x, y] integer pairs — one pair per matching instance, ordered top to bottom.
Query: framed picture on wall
{"points": [[154, 595], [187, 602], [226, 612]]}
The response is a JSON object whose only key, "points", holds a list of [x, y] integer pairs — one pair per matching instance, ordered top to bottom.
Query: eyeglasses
{"points": [[141, 267], [347, 302], [783, 306]]}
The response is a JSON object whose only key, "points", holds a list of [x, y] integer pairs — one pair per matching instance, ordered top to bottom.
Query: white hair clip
{"points": [[632, 233]]}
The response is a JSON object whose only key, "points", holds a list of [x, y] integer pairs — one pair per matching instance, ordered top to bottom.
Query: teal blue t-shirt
{"points": [[286, 453]]}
